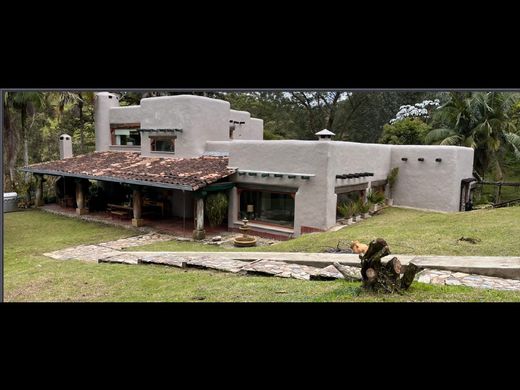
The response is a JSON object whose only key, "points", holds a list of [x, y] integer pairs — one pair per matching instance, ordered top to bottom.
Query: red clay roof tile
{"points": [[193, 172]]}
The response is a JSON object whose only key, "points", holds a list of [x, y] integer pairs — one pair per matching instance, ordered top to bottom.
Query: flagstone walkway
{"points": [[111, 252]]}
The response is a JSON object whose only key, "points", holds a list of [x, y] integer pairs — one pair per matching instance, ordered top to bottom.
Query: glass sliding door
{"points": [[276, 208]]}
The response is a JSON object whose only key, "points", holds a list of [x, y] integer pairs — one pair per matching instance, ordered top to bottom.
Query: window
{"points": [[231, 130], [125, 134], [130, 137], [162, 144], [264, 206]]}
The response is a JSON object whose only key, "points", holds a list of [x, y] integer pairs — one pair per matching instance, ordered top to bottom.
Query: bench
{"points": [[119, 214]]}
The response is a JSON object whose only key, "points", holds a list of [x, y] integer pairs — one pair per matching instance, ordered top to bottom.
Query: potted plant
{"points": [[392, 177], [374, 198], [380, 199], [346, 210], [355, 211]]}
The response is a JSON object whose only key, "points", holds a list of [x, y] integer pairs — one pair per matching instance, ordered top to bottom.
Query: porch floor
{"points": [[175, 226]]}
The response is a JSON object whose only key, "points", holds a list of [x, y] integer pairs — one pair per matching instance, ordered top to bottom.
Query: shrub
{"points": [[409, 131], [375, 197], [355, 207], [363, 207], [216, 208], [346, 209]]}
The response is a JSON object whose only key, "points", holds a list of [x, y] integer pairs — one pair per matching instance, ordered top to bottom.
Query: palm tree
{"points": [[26, 103], [481, 121]]}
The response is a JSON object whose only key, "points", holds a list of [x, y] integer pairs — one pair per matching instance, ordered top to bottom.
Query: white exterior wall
{"points": [[103, 102], [128, 114], [200, 118], [205, 129], [255, 130], [240, 132], [217, 147], [304, 157], [352, 157], [427, 185], [430, 185]]}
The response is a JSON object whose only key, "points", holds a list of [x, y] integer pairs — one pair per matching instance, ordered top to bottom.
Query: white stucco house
{"points": [[187, 146]]}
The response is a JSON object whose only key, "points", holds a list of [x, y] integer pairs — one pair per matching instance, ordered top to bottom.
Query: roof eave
{"points": [[110, 178]]}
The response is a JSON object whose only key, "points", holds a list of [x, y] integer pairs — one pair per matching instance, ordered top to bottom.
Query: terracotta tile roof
{"points": [[131, 167]]}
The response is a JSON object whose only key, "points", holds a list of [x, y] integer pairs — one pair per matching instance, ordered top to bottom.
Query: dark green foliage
{"points": [[484, 121], [409, 131], [375, 197], [216, 208], [347, 209]]}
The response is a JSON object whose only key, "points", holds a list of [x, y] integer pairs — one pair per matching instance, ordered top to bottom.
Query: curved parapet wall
{"points": [[103, 102], [199, 119], [240, 121], [256, 129]]}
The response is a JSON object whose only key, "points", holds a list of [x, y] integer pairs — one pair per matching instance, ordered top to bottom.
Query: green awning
{"points": [[219, 186], [213, 188]]}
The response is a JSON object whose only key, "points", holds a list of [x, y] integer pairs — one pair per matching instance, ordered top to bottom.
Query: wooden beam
{"points": [[275, 174]]}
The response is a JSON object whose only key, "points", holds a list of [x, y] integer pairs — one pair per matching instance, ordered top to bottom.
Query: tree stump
{"points": [[377, 276]]}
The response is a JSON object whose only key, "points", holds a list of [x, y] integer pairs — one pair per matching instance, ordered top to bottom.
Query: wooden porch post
{"points": [[81, 187], [39, 191], [137, 201], [199, 233]]}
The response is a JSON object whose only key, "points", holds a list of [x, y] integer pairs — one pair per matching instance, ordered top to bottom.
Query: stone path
{"points": [[104, 250], [240, 263], [449, 278]]}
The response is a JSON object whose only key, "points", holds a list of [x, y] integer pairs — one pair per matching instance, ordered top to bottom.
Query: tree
{"points": [[26, 103], [320, 108], [361, 117], [482, 121], [408, 131], [10, 142]]}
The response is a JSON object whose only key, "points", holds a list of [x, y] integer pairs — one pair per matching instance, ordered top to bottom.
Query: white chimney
{"points": [[103, 102], [325, 135], [65, 146]]}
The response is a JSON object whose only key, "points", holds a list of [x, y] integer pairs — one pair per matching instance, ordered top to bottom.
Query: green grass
{"points": [[407, 232], [30, 276]]}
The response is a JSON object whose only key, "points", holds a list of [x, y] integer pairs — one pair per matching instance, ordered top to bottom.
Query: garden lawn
{"points": [[407, 232], [30, 276]]}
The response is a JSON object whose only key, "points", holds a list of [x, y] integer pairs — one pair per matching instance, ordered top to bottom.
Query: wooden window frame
{"points": [[116, 126]]}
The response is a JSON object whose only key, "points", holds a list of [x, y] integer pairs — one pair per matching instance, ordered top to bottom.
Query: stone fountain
{"points": [[244, 240]]}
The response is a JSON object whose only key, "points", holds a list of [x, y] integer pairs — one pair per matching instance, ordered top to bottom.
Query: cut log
{"points": [[393, 267], [371, 274], [409, 275], [383, 277]]}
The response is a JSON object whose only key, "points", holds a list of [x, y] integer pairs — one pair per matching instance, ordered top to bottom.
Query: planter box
{"points": [[10, 202]]}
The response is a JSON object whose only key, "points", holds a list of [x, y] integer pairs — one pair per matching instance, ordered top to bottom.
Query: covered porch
{"points": [[163, 194], [175, 226]]}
